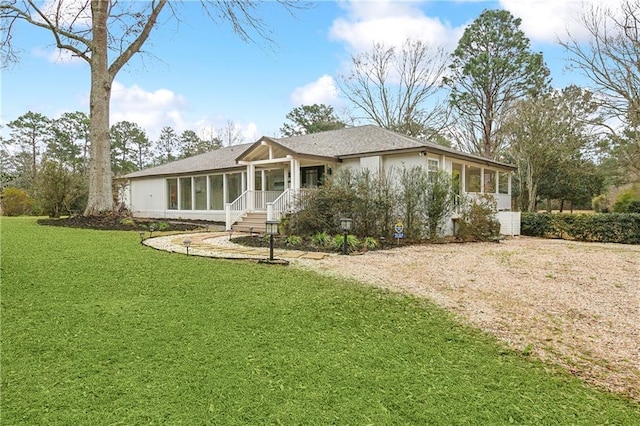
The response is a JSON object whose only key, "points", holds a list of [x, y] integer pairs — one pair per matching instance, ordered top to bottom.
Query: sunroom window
{"points": [[172, 194]]}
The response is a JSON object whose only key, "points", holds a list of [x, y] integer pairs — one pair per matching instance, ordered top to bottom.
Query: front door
{"points": [[311, 177]]}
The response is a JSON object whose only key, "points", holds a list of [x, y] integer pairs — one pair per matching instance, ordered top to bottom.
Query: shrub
{"points": [[59, 191], [625, 199], [15, 202], [478, 222], [599, 227], [321, 239], [293, 241], [352, 243], [370, 243]]}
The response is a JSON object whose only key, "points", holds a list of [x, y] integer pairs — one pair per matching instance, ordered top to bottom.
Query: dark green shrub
{"points": [[624, 199], [15, 202], [633, 206], [478, 221], [535, 224], [599, 227]]}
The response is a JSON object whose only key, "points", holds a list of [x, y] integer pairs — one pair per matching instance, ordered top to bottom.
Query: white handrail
{"points": [[279, 205], [235, 209]]}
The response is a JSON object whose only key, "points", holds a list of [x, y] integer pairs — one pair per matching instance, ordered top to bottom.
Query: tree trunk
{"points": [[100, 180]]}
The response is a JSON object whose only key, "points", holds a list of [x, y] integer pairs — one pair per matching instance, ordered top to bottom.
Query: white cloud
{"points": [[547, 21], [391, 23], [57, 56], [321, 91], [150, 110]]}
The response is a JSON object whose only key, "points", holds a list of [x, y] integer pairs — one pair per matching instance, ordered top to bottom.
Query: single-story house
{"points": [[244, 185]]}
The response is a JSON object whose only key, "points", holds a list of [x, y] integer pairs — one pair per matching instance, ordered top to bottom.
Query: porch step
{"points": [[255, 220]]}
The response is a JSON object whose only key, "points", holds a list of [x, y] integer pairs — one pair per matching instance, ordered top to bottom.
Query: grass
{"points": [[97, 329]]}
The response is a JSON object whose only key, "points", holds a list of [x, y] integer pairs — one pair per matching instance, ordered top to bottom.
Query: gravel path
{"points": [[571, 303]]}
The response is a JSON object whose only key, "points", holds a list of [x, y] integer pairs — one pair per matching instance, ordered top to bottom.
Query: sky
{"points": [[197, 75]]}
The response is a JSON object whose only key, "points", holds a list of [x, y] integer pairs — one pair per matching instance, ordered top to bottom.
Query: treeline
{"points": [[45, 161]]}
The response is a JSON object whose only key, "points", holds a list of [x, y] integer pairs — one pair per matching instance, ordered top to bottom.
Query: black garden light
{"points": [[345, 225], [271, 228], [141, 237], [187, 244]]}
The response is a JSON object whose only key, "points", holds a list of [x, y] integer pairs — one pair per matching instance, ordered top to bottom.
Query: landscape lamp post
{"points": [[345, 225], [271, 229], [141, 237], [187, 243]]}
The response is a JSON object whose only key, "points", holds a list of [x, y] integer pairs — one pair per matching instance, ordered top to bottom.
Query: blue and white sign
{"points": [[399, 228]]}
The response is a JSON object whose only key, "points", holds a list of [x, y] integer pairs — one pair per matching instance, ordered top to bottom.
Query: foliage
{"points": [[492, 67], [395, 87], [307, 119], [30, 133], [548, 136], [130, 147], [59, 191], [375, 201], [625, 201], [15, 202], [438, 203], [600, 204], [478, 221], [606, 228], [321, 239], [293, 241], [353, 243], [370, 243]]}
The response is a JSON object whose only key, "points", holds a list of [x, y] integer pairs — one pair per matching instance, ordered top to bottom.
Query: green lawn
{"points": [[97, 329]]}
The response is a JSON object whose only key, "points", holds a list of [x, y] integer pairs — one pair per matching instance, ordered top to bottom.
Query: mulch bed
{"points": [[125, 223]]}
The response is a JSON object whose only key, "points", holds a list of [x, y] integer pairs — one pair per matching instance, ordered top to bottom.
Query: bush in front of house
{"points": [[376, 202], [478, 221], [600, 227]]}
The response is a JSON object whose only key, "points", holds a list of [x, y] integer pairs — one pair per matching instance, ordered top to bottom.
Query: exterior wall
{"points": [[148, 198]]}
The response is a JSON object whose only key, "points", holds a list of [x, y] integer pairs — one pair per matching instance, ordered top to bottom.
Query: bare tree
{"points": [[107, 34], [611, 60], [396, 87], [230, 134]]}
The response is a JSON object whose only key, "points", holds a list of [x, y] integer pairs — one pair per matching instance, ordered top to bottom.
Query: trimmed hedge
{"points": [[600, 227]]}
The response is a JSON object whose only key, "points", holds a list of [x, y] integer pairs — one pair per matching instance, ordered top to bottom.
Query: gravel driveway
{"points": [[575, 304]]}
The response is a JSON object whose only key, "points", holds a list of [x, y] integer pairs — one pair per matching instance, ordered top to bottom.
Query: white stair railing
{"points": [[280, 205], [235, 209]]}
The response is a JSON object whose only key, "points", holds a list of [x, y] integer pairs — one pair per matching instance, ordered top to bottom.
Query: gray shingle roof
{"points": [[338, 144], [219, 159]]}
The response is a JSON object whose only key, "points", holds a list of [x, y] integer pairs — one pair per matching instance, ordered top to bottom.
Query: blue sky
{"points": [[200, 76]]}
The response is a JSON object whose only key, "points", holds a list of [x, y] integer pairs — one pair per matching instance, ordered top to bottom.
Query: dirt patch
{"points": [[574, 304]]}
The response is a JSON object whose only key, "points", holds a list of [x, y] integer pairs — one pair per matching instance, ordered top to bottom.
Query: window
{"points": [[432, 169], [472, 179], [489, 181], [503, 183], [234, 186], [200, 187], [185, 193], [172, 194], [216, 194]]}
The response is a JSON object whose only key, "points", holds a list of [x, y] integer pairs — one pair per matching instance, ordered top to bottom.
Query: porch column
{"points": [[295, 174], [463, 179], [482, 180], [287, 183], [251, 186], [208, 189], [225, 197]]}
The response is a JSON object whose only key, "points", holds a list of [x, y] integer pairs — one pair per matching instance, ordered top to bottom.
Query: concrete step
{"points": [[255, 220]]}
